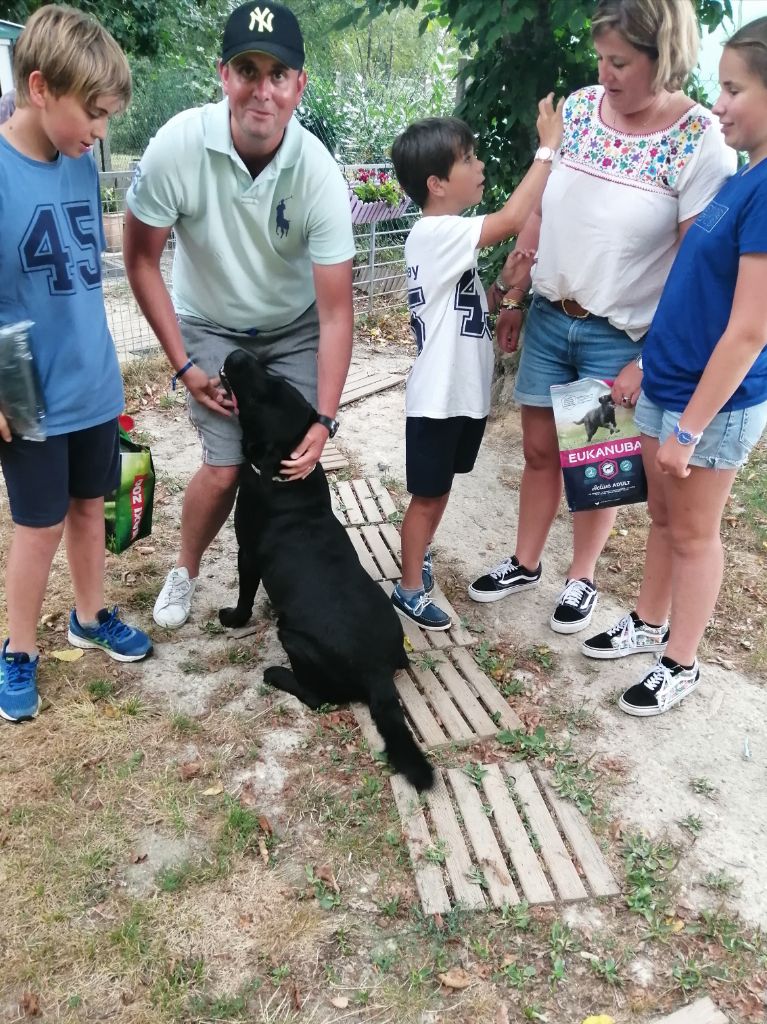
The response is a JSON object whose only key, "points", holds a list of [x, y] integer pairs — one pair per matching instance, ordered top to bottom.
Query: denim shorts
{"points": [[558, 349], [289, 352], [727, 441], [42, 476]]}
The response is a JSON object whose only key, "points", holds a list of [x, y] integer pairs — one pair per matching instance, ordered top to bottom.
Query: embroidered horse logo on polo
{"points": [[264, 19], [283, 224]]}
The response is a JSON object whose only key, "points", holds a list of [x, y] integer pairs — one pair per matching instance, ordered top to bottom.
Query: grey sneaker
{"points": [[174, 602], [629, 635], [662, 688]]}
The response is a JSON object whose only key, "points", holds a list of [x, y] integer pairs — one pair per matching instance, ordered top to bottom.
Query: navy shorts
{"points": [[435, 450], [41, 476]]}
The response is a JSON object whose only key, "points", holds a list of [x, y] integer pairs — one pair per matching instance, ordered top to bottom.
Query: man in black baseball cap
{"points": [[264, 28], [263, 261]]}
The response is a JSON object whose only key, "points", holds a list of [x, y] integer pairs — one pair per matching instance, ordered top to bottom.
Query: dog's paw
{"points": [[233, 618]]}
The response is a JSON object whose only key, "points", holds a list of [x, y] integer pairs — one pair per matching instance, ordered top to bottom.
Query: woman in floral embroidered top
{"points": [[639, 160]]}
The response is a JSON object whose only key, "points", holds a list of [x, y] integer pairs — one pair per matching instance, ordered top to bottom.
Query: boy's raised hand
{"points": [[549, 124]]}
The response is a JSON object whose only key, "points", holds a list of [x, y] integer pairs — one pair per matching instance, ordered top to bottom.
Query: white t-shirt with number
{"points": [[453, 369]]}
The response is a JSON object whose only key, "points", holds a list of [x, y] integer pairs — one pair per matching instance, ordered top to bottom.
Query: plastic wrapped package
{"points": [[21, 397]]}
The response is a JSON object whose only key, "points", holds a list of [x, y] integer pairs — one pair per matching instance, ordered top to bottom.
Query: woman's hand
{"points": [[550, 124], [508, 328], [627, 385], [672, 458]]}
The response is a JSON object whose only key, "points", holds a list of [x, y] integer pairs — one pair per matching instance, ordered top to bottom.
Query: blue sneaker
{"points": [[427, 573], [421, 610], [121, 642], [19, 699]]}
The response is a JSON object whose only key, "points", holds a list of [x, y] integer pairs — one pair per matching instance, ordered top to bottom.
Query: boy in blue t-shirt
{"points": [[71, 77]]}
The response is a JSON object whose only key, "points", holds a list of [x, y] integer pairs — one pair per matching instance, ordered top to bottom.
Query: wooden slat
{"points": [[357, 389], [332, 458], [382, 495], [367, 501], [337, 505], [353, 511], [393, 539], [366, 559], [387, 565], [458, 634], [416, 637], [484, 689], [443, 705], [418, 710], [481, 722], [368, 728], [581, 840], [553, 850], [487, 851], [457, 856], [428, 877], [532, 880], [703, 1011]]}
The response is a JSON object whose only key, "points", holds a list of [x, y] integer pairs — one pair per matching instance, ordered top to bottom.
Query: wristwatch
{"points": [[544, 154], [638, 361], [331, 424], [685, 437]]}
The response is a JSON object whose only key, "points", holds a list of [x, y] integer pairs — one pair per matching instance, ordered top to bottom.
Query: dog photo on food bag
{"points": [[339, 630]]}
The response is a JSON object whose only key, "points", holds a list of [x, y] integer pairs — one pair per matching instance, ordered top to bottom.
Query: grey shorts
{"points": [[289, 352]]}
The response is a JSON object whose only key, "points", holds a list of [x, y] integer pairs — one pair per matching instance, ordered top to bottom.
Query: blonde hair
{"points": [[666, 30], [750, 42], [74, 54]]}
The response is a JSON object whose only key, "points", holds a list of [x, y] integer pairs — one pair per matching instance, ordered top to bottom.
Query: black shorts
{"points": [[435, 450], [41, 476]]}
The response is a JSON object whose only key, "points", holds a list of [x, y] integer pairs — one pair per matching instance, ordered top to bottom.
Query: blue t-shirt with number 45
{"points": [[51, 240], [697, 300]]}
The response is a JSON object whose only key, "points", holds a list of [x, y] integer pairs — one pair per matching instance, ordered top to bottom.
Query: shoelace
{"points": [[502, 568], [178, 589], [573, 593], [422, 604], [625, 628], [113, 629], [22, 677], [657, 677]]}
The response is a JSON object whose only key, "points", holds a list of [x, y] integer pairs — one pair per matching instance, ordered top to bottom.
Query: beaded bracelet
{"points": [[180, 373]]}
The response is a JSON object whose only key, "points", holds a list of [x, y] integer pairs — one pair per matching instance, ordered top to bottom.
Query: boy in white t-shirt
{"points": [[448, 390]]}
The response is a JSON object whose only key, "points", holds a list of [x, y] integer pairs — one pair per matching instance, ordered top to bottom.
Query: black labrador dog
{"points": [[602, 415], [339, 630]]}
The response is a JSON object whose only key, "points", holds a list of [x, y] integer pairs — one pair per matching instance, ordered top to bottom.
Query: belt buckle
{"points": [[574, 316]]}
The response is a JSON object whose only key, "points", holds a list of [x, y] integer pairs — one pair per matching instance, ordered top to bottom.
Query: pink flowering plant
{"points": [[374, 186]]}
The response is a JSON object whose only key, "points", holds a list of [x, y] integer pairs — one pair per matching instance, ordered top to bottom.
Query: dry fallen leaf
{"points": [[71, 654], [190, 770], [213, 790], [264, 824], [263, 851], [138, 858], [325, 874], [456, 978], [340, 1002], [30, 1005], [502, 1014], [601, 1019]]}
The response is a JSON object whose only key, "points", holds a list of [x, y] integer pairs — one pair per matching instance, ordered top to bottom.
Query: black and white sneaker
{"points": [[506, 578], [575, 606], [629, 635], [662, 688]]}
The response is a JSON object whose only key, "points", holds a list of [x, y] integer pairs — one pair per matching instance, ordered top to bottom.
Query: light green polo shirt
{"points": [[244, 247]]}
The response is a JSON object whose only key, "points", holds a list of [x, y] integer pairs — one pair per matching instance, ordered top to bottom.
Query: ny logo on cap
{"points": [[264, 19]]}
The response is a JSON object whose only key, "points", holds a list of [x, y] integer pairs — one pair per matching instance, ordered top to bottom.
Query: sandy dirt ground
{"points": [[718, 734]]}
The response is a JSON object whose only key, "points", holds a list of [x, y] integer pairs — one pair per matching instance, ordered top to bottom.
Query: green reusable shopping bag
{"points": [[128, 510]]}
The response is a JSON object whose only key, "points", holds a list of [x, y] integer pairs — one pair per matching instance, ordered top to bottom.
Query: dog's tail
{"points": [[401, 749]]}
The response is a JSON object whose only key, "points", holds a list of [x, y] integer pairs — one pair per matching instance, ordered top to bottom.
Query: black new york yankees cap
{"points": [[265, 28]]}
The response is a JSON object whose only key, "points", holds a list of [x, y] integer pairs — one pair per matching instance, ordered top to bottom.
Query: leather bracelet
{"points": [[511, 304], [180, 373]]}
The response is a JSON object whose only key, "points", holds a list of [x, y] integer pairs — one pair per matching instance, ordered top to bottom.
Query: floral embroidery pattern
{"points": [[653, 162]]}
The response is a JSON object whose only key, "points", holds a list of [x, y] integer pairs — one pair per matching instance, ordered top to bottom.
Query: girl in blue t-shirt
{"points": [[703, 405]]}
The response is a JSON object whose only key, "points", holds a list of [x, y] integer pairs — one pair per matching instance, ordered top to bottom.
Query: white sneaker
{"points": [[174, 603]]}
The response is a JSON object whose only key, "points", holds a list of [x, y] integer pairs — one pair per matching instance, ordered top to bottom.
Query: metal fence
{"points": [[378, 274]]}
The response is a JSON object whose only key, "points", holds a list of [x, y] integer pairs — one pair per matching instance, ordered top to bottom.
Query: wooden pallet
{"points": [[361, 383], [332, 459], [358, 502], [447, 699], [463, 855], [703, 1011]]}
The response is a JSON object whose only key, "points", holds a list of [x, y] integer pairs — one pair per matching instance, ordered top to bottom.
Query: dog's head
{"points": [[606, 401], [274, 417]]}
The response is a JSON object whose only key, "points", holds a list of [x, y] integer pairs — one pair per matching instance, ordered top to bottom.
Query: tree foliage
{"points": [[514, 52]]}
